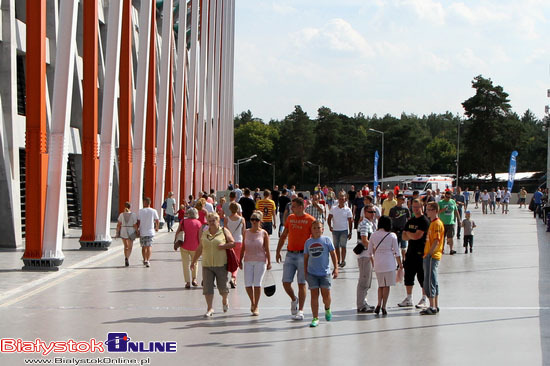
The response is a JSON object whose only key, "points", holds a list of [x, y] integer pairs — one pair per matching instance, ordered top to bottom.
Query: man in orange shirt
{"points": [[267, 208], [298, 230], [433, 250]]}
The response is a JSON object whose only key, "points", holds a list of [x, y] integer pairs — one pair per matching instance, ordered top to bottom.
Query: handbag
{"points": [[180, 236], [359, 248], [232, 260], [269, 284]]}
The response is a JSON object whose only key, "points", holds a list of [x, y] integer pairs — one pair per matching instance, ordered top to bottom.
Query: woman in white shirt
{"points": [[126, 230], [385, 251]]}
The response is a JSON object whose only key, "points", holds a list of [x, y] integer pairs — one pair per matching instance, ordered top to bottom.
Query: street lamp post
{"points": [[238, 163], [273, 165], [318, 171], [382, 173]]}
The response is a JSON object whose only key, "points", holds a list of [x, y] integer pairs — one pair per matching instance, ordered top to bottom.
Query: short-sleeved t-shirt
{"points": [[538, 197], [283, 201], [358, 203], [170, 204], [388, 205], [248, 206], [267, 207], [399, 216], [447, 216], [146, 218], [340, 218], [468, 226], [365, 228], [299, 230], [435, 232], [416, 247], [319, 249]]}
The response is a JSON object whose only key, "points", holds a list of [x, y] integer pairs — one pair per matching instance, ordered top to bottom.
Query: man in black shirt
{"points": [[275, 196], [351, 196], [284, 200], [248, 206], [399, 216], [415, 231]]}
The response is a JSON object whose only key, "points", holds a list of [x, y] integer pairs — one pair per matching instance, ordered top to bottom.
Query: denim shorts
{"points": [[340, 238], [294, 262], [318, 281]]}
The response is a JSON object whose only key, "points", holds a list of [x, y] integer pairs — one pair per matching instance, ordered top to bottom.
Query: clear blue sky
{"points": [[388, 56]]}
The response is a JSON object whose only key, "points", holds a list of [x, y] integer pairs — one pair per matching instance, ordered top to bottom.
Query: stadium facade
{"points": [[108, 101]]}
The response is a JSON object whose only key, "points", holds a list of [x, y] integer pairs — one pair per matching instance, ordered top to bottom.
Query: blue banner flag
{"points": [[512, 170], [375, 172]]}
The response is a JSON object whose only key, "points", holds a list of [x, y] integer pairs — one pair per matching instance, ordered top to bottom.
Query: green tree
{"points": [[491, 131], [255, 137], [296, 142]]}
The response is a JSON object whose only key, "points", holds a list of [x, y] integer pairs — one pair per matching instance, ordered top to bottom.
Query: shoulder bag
{"points": [[232, 261]]}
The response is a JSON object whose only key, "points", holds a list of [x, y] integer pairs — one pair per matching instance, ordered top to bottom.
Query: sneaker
{"points": [[470, 250], [466, 251], [452, 252], [126, 262], [147, 264], [343, 264], [405, 303], [422, 304], [225, 307], [294, 307], [367, 309], [437, 309], [428, 311], [209, 313], [299, 315], [328, 315], [314, 322]]}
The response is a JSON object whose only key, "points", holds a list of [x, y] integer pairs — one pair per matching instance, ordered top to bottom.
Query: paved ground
{"points": [[495, 308]]}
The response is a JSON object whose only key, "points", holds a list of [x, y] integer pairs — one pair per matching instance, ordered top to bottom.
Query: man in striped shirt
{"points": [[267, 207]]}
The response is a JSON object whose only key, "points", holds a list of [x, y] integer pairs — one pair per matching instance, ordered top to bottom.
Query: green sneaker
{"points": [[328, 315], [314, 322]]}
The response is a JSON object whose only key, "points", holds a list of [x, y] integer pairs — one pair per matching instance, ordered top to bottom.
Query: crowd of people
{"points": [[399, 238]]}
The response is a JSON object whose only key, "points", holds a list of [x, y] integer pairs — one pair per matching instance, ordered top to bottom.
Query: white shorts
{"points": [[254, 273]]}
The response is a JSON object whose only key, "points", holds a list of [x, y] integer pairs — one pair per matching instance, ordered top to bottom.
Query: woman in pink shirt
{"points": [[201, 208], [191, 228], [255, 251]]}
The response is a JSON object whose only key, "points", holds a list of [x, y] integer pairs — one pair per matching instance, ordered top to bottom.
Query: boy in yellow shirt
{"points": [[432, 255]]}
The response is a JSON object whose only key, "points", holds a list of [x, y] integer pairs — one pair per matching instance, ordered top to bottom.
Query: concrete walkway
{"points": [[495, 308]]}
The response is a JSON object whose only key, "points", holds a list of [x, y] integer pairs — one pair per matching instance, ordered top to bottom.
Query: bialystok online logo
{"points": [[116, 342]]}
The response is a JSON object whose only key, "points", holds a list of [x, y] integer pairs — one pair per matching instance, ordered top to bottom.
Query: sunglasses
{"points": [[371, 211], [254, 219]]}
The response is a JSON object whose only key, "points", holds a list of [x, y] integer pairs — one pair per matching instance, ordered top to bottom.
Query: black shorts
{"points": [[413, 267]]}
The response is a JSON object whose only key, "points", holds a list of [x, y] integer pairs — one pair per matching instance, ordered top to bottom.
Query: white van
{"points": [[422, 183]]}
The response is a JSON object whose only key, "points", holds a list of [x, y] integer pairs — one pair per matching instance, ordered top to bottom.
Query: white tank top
{"points": [[236, 229]]}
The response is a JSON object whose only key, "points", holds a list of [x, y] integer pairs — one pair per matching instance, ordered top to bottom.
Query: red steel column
{"points": [[125, 108], [151, 130], [36, 139], [169, 144], [90, 158]]}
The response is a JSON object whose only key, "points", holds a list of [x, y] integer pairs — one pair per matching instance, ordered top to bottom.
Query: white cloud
{"points": [[282, 8], [429, 10], [338, 34], [468, 59], [435, 62]]}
